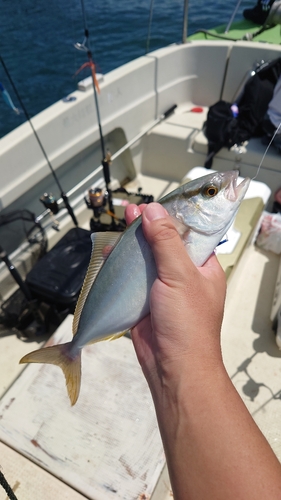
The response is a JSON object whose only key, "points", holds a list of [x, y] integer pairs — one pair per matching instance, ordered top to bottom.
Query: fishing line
{"points": [[265, 153], [63, 195]]}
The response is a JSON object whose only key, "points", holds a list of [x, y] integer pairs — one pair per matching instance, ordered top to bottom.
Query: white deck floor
{"points": [[251, 355], [107, 445]]}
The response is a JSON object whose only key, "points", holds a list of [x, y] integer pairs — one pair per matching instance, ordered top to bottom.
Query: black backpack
{"points": [[223, 129]]}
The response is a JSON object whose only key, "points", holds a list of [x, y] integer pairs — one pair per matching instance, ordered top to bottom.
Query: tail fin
{"points": [[57, 355]]}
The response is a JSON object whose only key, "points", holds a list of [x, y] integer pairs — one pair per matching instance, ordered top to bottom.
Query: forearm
{"points": [[213, 447]]}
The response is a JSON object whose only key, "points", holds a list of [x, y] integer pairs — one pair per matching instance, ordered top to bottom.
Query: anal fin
{"points": [[114, 336]]}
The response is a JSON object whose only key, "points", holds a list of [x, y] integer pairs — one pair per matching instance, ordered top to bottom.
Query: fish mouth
{"points": [[234, 191]]}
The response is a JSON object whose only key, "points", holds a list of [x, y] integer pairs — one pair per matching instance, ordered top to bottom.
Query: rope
{"points": [[215, 35], [247, 36], [7, 487]]}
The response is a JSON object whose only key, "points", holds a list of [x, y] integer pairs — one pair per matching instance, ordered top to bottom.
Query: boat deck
{"points": [[34, 404], [107, 445]]}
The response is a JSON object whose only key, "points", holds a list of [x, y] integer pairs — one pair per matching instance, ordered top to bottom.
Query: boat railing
{"points": [[233, 16], [118, 153]]}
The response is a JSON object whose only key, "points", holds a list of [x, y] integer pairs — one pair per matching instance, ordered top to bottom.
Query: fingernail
{"points": [[155, 211]]}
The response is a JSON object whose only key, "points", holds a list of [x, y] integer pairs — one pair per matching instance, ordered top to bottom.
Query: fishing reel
{"points": [[96, 201], [50, 203], [104, 217]]}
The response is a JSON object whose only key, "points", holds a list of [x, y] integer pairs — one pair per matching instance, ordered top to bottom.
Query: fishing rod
{"points": [[106, 156], [63, 194]]}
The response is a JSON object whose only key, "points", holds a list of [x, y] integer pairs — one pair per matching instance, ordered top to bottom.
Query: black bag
{"points": [[219, 129], [222, 129]]}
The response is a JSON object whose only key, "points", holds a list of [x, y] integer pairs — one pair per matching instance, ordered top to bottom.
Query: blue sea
{"points": [[38, 37]]}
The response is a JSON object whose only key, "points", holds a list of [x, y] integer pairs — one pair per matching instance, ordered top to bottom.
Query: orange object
{"points": [[90, 64]]}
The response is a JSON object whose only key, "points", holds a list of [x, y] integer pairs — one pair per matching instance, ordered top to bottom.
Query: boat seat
{"points": [[189, 118], [167, 144], [250, 153], [241, 233]]}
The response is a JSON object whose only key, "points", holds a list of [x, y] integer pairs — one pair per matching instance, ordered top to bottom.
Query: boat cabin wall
{"points": [[190, 73]]}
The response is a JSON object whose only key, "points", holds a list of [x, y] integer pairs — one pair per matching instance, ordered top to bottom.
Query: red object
{"points": [[197, 109]]}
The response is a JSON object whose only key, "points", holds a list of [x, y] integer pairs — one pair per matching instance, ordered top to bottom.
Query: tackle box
{"points": [[58, 277]]}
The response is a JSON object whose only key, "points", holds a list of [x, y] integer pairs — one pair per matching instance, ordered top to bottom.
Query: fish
{"points": [[115, 293]]}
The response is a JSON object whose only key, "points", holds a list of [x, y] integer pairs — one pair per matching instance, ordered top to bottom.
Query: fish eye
{"points": [[210, 190]]}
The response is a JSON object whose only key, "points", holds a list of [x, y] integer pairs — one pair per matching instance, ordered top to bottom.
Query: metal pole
{"points": [[233, 16], [185, 21], [149, 26], [17, 277]]}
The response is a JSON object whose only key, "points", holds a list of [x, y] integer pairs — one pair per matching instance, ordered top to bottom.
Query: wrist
{"points": [[171, 379]]}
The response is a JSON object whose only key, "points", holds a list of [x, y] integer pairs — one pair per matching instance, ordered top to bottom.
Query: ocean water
{"points": [[38, 37]]}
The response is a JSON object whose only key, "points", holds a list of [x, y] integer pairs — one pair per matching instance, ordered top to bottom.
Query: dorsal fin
{"points": [[99, 242]]}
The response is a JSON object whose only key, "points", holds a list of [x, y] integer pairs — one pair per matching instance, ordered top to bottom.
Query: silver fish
{"points": [[115, 293]]}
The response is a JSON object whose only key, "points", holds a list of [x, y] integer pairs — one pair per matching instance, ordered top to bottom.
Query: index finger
{"points": [[133, 211]]}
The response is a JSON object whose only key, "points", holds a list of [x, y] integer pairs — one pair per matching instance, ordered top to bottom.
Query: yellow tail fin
{"points": [[57, 355]]}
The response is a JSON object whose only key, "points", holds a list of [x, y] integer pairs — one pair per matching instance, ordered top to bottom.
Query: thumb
{"points": [[170, 255]]}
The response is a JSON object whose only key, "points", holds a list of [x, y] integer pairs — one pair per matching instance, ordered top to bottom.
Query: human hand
{"points": [[186, 303]]}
